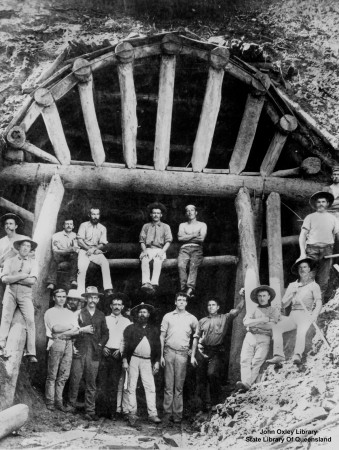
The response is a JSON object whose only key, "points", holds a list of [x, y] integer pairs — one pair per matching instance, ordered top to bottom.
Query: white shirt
{"points": [[6, 247], [54, 316], [116, 326], [143, 349]]}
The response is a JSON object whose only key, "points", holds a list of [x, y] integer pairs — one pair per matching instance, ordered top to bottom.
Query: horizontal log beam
{"points": [[152, 181], [12, 207], [286, 240], [208, 261]]}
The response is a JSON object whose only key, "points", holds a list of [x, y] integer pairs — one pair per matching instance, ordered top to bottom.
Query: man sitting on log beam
{"points": [[192, 235], [317, 235], [92, 237], [155, 238], [64, 249], [20, 274], [257, 341], [211, 350]]}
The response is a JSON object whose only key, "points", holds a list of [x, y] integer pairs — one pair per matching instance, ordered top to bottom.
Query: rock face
{"points": [[291, 401]]}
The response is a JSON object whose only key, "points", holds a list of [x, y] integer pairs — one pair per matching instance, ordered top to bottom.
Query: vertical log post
{"points": [[171, 46], [83, 73], [210, 109], [129, 122], [53, 124], [287, 124], [248, 127], [258, 214], [44, 229], [247, 239], [274, 246], [9, 369]]}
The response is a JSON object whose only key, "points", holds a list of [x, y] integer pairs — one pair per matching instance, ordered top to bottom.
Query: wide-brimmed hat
{"points": [[335, 169], [321, 194], [156, 205], [15, 217], [16, 244], [309, 261], [263, 287], [92, 290], [74, 293], [143, 305]]}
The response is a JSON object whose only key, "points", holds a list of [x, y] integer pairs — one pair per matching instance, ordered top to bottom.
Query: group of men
{"points": [[318, 235], [78, 250], [83, 342], [113, 345]]}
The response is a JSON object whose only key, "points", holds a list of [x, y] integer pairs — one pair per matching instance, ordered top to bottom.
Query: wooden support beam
{"points": [[171, 46], [83, 73], [210, 109], [129, 122], [53, 124], [287, 124], [248, 127], [16, 137], [309, 166], [168, 182], [39, 201], [12, 207], [258, 214], [44, 228], [247, 240], [286, 240], [274, 246], [208, 261], [9, 369], [12, 419]]}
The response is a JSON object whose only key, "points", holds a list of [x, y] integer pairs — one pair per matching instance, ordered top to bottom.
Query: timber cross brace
{"points": [[165, 115]]}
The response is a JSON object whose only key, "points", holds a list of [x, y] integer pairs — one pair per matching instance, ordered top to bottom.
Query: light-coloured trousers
{"points": [[83, 263], [145, 266], [17, 295], [296, 320], [254, 351], [142, 367], [58, 370], [175, 374], [122, 396]]}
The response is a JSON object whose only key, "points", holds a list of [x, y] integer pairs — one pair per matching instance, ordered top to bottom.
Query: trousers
{"points": [[191, 256], [71, 258], [83, 263], [324, 265], [145, 267], [17, 295], [296, 320], [254, 352], [80, 365], [142, 367], [58, 370], [208, 372], [175, 374], [108, 381], [122, 396]]}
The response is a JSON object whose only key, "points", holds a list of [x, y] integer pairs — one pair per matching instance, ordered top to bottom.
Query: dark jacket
{"points": [[134, 333], [97, 340]]}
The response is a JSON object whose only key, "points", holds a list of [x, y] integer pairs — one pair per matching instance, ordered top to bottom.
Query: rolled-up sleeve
{"points": [[82, 232], [168, 234], [142, 235], [103, 236], [6, 269]]}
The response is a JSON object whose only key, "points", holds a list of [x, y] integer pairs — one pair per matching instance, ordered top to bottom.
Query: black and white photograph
{"points": [[169, 224]]}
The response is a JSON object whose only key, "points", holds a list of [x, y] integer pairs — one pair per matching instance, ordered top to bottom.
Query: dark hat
{"points": [[335, 169], [321, 194], [156, 205], [17, 219], [16, 244], [294, 268], [262, 287], [92, 290], [143, 305]]}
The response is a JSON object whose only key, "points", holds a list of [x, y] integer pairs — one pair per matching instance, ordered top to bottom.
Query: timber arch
{"points": [[174, 118]]}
